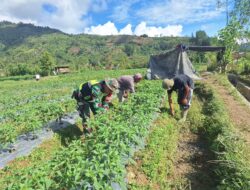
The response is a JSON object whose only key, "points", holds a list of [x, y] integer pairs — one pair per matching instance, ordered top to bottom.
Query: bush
{"points": [[242, 66], [245, 66], [212, 67], [19, 69]]}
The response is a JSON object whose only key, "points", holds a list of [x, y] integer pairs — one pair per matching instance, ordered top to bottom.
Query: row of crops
{"points": [[28, 105], [99, 161]]}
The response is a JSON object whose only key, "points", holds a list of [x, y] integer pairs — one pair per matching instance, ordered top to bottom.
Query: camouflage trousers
{"points": [[84, 109]]}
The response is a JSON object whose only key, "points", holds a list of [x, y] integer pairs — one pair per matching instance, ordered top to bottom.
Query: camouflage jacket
{"points": [[92, 92]]}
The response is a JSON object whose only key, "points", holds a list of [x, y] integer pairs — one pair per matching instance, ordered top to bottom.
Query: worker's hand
{"points": [[125, 94], [170, 100], [184, 101], [171, 106], [172, 112]]}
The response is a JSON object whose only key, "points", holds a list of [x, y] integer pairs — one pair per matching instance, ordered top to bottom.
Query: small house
{"points": [[62, 69]]}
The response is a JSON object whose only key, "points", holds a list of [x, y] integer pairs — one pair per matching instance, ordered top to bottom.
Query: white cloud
{"points": [[172, 11], [68, 16], [72, 16], [106, 29], [110, 29], [126, 30], [152, 31]]}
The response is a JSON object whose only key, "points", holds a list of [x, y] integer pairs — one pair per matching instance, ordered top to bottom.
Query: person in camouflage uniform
{"points": [[94, 96]]}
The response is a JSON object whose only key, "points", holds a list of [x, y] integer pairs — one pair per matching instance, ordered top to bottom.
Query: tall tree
{"points": [[241, 11], [237, 28], [228, 37], [201, 38], [47, 64]]}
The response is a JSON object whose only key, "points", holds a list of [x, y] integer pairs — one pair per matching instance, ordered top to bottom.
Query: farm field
{"points": [[27, 105], [180, 121], [135, 145]]}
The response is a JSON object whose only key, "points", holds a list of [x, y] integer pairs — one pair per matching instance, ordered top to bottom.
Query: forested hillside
{"points": [[14, 34], [23, 47], [29, 49]]}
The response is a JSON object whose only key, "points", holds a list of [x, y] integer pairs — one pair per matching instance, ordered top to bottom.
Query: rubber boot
{"points": [[183, 116], [86, 129]]}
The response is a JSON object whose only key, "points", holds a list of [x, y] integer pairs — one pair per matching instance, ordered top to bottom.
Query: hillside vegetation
{"points": [[24, 45], [28, 49]]}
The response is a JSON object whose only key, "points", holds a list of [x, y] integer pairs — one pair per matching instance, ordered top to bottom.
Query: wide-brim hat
{"points": [[112, 84], [167, 84]]}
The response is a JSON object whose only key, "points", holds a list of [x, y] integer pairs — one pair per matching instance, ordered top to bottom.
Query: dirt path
{"points": [[239, 114], [192, 162]]}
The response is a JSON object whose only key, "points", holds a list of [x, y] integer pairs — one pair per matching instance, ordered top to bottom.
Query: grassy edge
{"points": [[158, 153], [232, 163]]}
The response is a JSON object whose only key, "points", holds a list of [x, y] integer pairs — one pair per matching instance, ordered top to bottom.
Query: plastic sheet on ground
{"points": [[25, 143]]}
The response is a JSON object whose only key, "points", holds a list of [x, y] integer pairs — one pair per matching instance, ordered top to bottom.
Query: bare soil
{"points": [[192, 162], [135, 176]]}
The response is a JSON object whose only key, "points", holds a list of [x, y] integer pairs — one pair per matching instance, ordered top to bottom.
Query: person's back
{"points": [[180, 81], [126, 82], [127, 85], [91, 90], [94, 95]]}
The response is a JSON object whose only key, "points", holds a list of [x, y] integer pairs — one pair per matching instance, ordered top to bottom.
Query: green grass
{"points": [[200, 67], [42, 154], [158, 156], [38, 157], [232, 158]]}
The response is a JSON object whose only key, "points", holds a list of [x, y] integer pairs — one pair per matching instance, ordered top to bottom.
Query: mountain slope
{"points": [[13, 34], [23, 45]]}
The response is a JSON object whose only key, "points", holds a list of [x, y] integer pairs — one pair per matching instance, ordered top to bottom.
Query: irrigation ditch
{"points": [[242, 85]]}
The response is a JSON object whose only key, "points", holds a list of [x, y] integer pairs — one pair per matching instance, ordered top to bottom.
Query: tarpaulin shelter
{"points": [[175, 61]]}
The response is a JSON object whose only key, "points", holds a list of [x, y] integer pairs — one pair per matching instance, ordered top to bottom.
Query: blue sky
{"points": [[112, 17]]}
